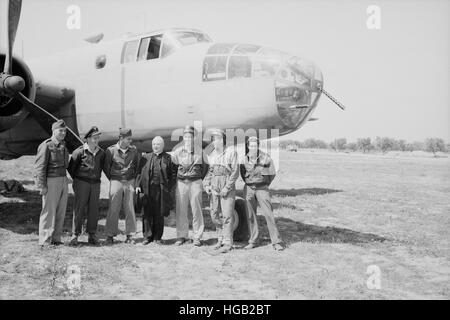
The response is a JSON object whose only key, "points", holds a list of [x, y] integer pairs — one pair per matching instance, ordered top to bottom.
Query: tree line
{"points": [[379, 144]]}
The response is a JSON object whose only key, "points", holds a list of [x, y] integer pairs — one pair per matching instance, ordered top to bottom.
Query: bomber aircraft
{"points": [[153, 83]]}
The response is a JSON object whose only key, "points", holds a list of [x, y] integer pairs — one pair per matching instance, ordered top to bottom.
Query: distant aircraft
{"points": [[152, 83]]}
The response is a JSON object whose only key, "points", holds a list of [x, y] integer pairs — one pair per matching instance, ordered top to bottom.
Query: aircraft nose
{"points": [[297, 88]]}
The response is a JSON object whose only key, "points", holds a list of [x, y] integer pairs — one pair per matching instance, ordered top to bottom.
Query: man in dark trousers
{"points": [[85, 168], [258, 172], [156, 179]]}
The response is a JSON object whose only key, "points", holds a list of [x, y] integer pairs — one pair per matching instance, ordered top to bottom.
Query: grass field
{"points": [[339, 214]]}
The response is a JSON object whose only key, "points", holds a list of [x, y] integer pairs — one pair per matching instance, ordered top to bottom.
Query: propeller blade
{"points": [[13, 17], [45, 118]]}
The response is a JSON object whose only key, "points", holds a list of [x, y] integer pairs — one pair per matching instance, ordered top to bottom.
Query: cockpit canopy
{"points": [[160, 44], [233, 60]]}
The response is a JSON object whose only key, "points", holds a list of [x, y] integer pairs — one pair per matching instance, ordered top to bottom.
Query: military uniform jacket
{"points": [[52, 160], [119, 165], [87, 166], [223, 170], [259, 173]]}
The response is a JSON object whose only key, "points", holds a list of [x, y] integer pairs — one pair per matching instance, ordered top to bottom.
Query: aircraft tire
{"points": [[240, 225]]}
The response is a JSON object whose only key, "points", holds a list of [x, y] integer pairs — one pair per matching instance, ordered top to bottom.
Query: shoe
{"points": [[93, 240], [109, 240], [130, 240], [74, 241], [146, 241], [180, 241], [158, 242], [56, 243], [197, 243], [45, 245], [218, 245], [250, 246], [278, 247], [225, 249]]}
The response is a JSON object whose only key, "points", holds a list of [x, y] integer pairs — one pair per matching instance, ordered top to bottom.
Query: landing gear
{"points": [[240, 225]]}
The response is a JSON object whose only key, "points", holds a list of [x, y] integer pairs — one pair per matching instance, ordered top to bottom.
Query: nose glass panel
{"points": [[296, 90]]}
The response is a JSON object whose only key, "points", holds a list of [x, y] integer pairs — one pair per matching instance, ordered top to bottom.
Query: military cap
{"points": [[59, 124], [189, 129], [92, 132], [124, 132], [217, 132], [253, 139]]}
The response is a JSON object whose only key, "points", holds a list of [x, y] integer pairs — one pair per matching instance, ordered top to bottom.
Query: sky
{"points": [[394, 80]]}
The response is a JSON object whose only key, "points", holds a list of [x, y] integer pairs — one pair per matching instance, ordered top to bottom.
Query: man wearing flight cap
{"points": [[52, 159], [85, 168], [121, 168], [191, 170], [258, 172], [220, 183]]}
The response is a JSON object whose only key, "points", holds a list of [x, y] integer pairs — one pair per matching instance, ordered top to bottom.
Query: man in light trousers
{"points": [[52, 160], [121, 168], [191, 170], [257, 171], [220, 184]]}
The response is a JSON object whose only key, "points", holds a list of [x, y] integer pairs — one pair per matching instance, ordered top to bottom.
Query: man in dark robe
{"points": [[156, 179]]}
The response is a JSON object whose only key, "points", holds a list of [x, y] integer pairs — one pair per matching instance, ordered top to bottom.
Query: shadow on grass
{"points": [[303, 191], [20, 212]]}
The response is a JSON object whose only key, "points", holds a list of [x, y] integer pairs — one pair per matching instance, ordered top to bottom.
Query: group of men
{"points": [[152, 178]]}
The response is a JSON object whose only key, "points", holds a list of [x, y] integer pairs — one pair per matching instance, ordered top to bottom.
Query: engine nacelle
{"points": [[11, 110]]}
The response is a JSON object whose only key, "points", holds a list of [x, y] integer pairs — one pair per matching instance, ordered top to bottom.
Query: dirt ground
{"points": [[342, 215]]}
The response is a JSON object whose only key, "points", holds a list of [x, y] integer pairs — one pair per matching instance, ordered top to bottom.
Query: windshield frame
{"points": [[172, 43]]}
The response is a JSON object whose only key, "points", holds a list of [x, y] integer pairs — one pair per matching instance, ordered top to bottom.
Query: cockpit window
{"points": [[187, 38], [175, 39], [169, 45], [153, 47], [221, 48], [142, 49], [246, 49], [130, 51], [272, 53], [267, 62], [265, 66], [239, 67], [214, 68], [301, 71]]}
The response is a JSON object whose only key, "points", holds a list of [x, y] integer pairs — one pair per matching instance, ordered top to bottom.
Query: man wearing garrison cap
{"points": [[52, 159], [85, 168], [121, 168], [190, 172]]}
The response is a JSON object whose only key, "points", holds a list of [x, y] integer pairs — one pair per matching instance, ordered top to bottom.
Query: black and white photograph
{"points": [[247, 151]]}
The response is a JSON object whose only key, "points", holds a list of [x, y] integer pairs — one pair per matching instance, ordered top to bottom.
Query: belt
{"points": [[189, 179], [257, 185]]}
